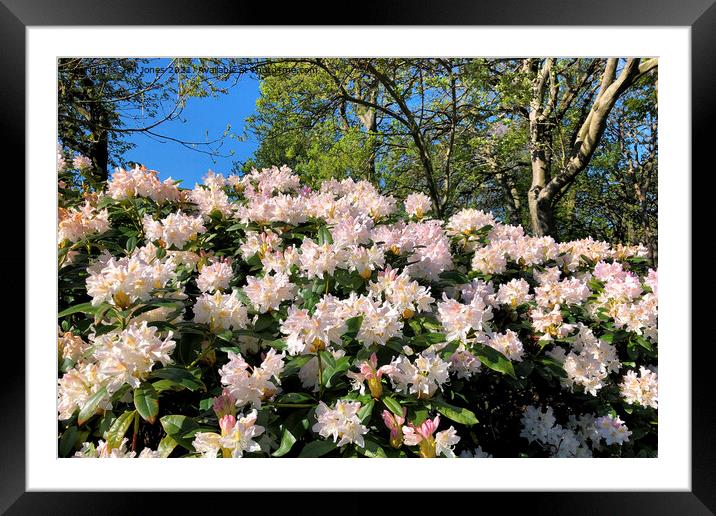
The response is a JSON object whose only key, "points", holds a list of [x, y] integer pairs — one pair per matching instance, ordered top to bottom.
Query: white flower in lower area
{"points": [[215, 276], [269, 292], [220, 311], [508, 344], [128, 356], [422, 377], [77, 386], [256, 386], [641, 389], [341, 423], [612, 430], [422, 435], [237, 436], [207, 443], [103, 451], [477, 453]]}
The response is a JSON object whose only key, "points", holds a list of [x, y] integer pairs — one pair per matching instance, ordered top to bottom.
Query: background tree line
{"points": [[566, 147]]}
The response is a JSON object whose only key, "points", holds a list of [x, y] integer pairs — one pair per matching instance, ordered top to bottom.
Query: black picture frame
{"points": [[699, 15]]}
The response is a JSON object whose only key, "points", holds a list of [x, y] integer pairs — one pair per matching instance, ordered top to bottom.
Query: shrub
{"points": [[253, 317]]}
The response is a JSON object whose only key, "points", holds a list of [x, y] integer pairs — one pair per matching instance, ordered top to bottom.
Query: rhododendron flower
{"points": [[140, 182], [211, 200], [417, 205], [468, 221], [77, 224], [176, 229], [317, 260], [215, 277], [125, 280], [269, 292], [514, 293], [406, 296], [220, 311], [459, 319], [508, 344], [71, 346], [128, 356], [463, 363], [588, 363], [370, 373], [422, 377], [76, 387], [252, 387], [641, 389], [224, 405], [341, 423], [395, 425], [612, 430], [237, 436], [430, 447], [103, 451]]}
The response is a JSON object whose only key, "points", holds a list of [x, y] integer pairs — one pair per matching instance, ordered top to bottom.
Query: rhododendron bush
{"points": [[254, 317]]}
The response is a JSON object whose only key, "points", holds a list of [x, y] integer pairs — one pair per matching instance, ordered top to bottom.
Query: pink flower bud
{"points": [[224, 405], [226, 423]]}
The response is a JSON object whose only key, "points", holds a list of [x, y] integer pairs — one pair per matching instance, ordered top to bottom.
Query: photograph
{"points": [[357, 257]]}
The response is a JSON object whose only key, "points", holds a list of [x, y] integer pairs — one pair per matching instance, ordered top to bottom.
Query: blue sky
{"points": [[200, 115]]}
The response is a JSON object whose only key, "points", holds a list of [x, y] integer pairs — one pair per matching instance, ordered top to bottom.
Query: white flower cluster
{"points": [[140, 182], [77, 224], [174, 230], [215, 277], [122, 281], [269, 292], [220, 311], [460, 319], [118, 358], [589, 361], [422, 377], [256, 386], [641, 389], [340, 422], [236, 438], [578, 438], [103, 451]]}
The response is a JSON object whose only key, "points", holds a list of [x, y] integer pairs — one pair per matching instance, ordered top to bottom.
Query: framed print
{"points": [[437, 237]]}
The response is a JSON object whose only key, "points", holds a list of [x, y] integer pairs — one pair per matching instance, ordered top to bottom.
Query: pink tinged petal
{"points": [[226, 423]]}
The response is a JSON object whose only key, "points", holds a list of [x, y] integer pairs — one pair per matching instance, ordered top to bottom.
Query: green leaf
{"points": [[324, 236], [131, 244], [454, 278], [85, 308], [353, 326], [427, 339], [494, 359], [179, 377], [296, 397], [146, 401], [393, 405], [89, 408], [366, 411], [457, 414], [177, 427], [116, 432], [68, 441], [287, 442], [166, 446], [317, 449], [372, 449]]}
